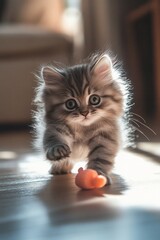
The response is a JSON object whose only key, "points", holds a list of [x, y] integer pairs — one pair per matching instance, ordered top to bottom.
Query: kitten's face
{"points": [[81, 98], [90, 108], [84, 110]]}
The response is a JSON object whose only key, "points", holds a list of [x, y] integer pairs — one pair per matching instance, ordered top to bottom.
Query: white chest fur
{"points": [[79, 152]]}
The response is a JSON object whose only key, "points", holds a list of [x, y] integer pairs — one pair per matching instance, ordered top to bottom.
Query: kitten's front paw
{"points": [[58, 152]]}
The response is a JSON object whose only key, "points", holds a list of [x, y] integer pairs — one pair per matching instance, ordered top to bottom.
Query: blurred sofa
{"points": [[24, 47]]}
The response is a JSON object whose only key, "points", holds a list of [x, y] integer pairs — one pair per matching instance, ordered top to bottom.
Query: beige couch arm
{"points": [[22, 51]]}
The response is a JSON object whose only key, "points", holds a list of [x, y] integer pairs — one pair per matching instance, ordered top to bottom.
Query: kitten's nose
{"points": [[84, 112]]}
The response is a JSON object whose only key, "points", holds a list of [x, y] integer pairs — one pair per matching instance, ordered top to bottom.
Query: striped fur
{"points": [[91, 132]]}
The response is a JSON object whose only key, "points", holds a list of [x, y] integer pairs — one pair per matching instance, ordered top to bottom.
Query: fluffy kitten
{"points": [[79, 114]]}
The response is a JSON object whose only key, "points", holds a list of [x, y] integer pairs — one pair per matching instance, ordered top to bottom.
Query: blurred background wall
{"points": [[130, 29], [35, 32]]}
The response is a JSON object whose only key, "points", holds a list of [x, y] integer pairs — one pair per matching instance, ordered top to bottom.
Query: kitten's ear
{"points": [[103, 66], [50, 75]]}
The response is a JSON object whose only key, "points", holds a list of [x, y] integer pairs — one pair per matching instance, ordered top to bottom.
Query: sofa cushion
{"points": [[24, 11], [46, 13], [16, 39]]}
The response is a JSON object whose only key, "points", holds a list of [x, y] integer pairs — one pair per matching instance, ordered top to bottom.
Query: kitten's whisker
{"points": [[131, 105], [138, 116], [136, 120], [141, 133]]}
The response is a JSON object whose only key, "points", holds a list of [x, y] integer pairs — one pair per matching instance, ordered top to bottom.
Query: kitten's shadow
{"points": [[117, 187], [65, 202]]}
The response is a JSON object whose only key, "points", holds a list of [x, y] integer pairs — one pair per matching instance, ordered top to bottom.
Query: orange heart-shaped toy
{"points": [[89, 179]]}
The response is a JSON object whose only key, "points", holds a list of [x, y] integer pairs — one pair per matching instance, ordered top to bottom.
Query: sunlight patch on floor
{"points": [[150, 147], [7, 155], [34, 163], [136, 167]]}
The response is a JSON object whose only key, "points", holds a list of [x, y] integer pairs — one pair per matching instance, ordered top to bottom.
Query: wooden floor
{"points": [[35, 205]]}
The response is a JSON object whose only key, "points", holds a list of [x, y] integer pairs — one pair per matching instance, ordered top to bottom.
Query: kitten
{"points": [[79, 114]]}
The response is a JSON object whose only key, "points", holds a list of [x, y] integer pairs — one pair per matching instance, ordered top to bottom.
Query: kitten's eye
{"points": [[94, 100], [71, 104]]}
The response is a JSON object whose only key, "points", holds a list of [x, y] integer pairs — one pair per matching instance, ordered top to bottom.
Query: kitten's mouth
{"points": [[86, 118]]}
